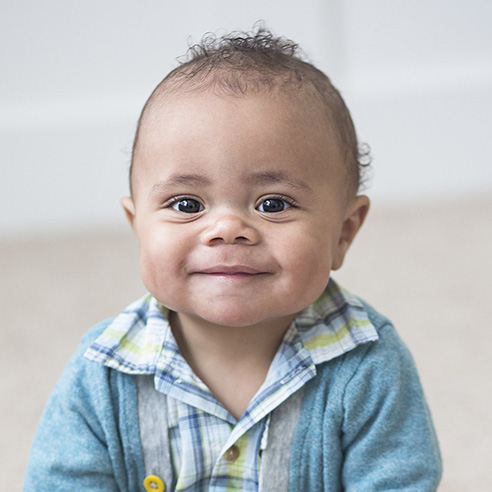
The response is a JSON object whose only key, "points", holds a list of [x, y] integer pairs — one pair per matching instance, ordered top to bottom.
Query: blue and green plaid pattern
{"points": [[140, 341]]}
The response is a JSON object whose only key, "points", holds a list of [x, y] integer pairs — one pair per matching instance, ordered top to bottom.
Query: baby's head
{"points": [[242, 64], [244, 183]]}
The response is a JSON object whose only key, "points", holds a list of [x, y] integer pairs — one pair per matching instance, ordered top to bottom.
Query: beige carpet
{"points": [[427, 267]]}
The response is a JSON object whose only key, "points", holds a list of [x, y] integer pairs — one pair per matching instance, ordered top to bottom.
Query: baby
{"points": [[245, 367]]}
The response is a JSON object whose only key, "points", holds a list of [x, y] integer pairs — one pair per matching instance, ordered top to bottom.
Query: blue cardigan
{"points": [[364, 426]]}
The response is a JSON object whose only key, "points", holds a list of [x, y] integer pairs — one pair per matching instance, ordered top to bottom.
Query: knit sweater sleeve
{"points": [[388, 439], [80, 441]]}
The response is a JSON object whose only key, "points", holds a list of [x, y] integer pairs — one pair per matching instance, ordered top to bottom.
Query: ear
{"points": [[129, 208], [356, 213]]}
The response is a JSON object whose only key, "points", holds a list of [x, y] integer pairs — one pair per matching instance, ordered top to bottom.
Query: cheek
{"points": [[159, 259], [308, 261], [315, 265]]}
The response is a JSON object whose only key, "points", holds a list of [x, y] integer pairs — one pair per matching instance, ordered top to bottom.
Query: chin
{"points": [[230, 317], [243, 319], [232, 321]]}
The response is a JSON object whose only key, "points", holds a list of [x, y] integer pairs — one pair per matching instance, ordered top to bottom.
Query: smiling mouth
{"points": [[235, 271]]}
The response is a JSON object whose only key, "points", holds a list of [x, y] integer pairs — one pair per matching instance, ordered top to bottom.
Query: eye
{"points": [[187, 205], [273, 205]]}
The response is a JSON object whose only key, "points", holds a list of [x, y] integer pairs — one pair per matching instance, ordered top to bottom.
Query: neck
{"points": [[232, 361]]}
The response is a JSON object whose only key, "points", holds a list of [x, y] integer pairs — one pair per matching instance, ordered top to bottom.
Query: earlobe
{"points": [[129, 208], [356, 215]]}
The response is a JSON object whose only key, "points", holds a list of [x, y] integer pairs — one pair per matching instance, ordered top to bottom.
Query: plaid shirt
{"points": [[205, 438]]}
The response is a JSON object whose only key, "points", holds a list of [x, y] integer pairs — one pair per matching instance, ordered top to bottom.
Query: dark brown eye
{"points": [[273, 205], [188, 206]]}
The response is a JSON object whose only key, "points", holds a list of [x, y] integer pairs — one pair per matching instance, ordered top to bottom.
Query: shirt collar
{"points": [[334, 324], [133, 343]]}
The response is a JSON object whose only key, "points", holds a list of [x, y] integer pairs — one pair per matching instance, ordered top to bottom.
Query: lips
{"points": [[231, 271]]}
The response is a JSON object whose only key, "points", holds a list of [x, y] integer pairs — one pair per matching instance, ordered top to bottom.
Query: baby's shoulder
{"points": [[93, 333], [389, 345], [380, 360], [79, 370]]}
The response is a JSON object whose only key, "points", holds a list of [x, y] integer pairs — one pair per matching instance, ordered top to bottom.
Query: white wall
{"points": [[417, 76], [419, 80]]}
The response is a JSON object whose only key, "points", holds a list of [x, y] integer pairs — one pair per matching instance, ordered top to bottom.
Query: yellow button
{"points": [[232, 453], [153, 483]]}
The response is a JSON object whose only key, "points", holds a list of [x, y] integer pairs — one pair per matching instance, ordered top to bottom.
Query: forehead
{"points": [[284, 103], [272, 129]]}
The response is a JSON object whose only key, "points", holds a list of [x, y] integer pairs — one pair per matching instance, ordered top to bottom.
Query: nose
{"points": [[230, 229]]}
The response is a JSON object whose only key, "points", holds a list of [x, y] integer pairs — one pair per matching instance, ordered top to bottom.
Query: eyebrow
{"points": [[269, 177], [260, 178], [180, 179]]}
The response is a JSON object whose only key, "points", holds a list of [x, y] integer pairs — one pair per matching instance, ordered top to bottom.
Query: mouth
{"points": [[231, 271]]}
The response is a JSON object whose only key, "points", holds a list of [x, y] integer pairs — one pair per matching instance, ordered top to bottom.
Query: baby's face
{"points": [[240, 207]]}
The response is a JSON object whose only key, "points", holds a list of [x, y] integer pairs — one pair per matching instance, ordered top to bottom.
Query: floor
{"points": [[427, 267]]}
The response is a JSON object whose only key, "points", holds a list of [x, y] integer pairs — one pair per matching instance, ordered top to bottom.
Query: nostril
{"points": [[230, 229], [223, 240]]}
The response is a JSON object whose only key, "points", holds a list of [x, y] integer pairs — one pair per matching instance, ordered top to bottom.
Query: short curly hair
{"points": [[247, 63]]}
